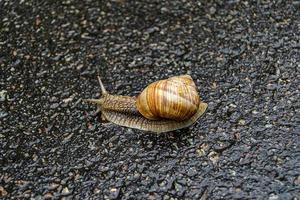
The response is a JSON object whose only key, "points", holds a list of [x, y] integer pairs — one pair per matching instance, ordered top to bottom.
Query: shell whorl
{"points": [[173, 98]]}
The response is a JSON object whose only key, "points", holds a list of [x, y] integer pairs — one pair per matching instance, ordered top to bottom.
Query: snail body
{"points": [[163, 106]]}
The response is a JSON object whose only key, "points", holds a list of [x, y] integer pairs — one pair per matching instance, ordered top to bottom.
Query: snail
{"points": [[163, 106]]}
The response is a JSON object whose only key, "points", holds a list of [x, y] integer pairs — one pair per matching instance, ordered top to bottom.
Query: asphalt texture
{"points": [[243, 55]]}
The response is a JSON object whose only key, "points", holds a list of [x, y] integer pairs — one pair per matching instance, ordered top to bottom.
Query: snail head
{"points": [[99, 101]]}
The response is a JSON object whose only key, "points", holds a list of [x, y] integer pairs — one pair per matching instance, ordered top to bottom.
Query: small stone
{"points": [[164, 9], [212, 10], [38, 21], [79, 67], [271, 86], [3, 95], [67, 100], [54, 105], [232, 105], [255, 112], [3, 114], [242, 122], [268, 125], [201, 151], [214, 157], [297, 180], [53, 186], [65, 191], [97, 191], [3, 192], [114, 193], [48, 195], [273, 197]]}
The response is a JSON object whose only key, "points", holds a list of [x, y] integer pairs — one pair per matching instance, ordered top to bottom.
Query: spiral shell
{"points": [[173, 98]]}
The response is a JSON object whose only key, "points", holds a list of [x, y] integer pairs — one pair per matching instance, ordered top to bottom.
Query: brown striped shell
{"points": [[173, 98]]}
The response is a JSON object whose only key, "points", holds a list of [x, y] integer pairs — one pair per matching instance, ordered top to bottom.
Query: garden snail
{"points": [[163, 106]]}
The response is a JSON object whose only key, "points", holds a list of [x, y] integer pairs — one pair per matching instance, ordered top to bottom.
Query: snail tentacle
{"points": [[103, 90]]}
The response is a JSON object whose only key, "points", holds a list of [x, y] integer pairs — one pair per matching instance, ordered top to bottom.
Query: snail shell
{"points": [[173, 98], [123, 110]]}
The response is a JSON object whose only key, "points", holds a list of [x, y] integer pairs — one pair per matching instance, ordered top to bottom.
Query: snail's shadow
{"points": [[177, 138]]}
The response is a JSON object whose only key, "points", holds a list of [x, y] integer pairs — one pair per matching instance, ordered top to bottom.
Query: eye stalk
{"points": [[103, 90]]}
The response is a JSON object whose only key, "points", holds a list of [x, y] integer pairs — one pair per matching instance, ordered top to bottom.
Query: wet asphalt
{"points": [[243, 55]]}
